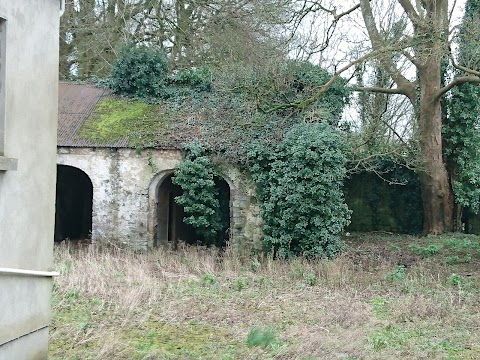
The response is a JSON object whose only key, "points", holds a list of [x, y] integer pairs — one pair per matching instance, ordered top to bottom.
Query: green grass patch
{"points": [[425, 251], [261, 337], [189, 340]]}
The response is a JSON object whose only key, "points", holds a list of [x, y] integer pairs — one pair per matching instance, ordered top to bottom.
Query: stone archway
{"points": [[73, 207], [166, 225]]}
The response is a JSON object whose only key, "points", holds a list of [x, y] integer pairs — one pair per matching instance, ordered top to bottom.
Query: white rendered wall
{"points": [[27, 193]]}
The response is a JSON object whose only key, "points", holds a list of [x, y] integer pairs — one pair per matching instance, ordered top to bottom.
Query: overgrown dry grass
{"points": [[386, 297]]}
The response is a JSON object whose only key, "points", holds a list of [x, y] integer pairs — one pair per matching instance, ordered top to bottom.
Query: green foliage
{"points": [[139, 71], [143, 72], [199, 79], [295, 82], [225, 109], [226, 113], [461, 131], [462, 138], [196, 176], [299, 183], [463, 243], [425, 251], [455, 259], [254, 265], [397, 274], [208, 279], [310, 279], [456, 280], [238, 284], [381, 307], [393, 336], [261, 337]]}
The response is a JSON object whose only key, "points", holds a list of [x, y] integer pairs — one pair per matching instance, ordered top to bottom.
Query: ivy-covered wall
{"points": [[378, 205]]}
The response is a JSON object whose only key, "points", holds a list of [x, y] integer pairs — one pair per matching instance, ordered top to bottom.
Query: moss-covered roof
{"points": [[76, 104], [235, 109], [90, 116]]}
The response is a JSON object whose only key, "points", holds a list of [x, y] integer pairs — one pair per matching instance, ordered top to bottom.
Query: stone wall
{"points": [[124, 194]]}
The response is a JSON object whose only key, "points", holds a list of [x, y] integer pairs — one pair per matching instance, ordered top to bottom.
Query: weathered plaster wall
{"points": [[124, 188], [27, 194]]}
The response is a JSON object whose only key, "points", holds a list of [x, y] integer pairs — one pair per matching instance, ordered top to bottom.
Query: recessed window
{"points": [[3, 42]]}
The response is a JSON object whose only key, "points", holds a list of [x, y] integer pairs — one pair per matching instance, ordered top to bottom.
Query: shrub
{"points": [[139, 71], [196, 176], [299, 183], [428, 251]]}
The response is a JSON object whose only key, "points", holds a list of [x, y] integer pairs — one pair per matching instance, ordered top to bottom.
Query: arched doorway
{"points": [[73, 207], [170, 228]]}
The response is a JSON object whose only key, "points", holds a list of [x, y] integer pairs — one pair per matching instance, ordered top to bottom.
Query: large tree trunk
{"points": [[437, 194]]}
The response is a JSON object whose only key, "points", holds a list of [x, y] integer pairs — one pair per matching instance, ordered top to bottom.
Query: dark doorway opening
{"points": [[73, 207], [170, 226]]}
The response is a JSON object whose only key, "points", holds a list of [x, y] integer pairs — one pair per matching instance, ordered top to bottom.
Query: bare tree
{"points": [[193, 32]]}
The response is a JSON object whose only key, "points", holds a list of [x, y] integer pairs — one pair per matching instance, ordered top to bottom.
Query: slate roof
{"points": [[76, 103]]}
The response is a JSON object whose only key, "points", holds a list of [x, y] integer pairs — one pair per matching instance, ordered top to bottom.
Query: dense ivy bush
{"points": [[139, 71], [143, 72], [196, 176], [300, 187]]}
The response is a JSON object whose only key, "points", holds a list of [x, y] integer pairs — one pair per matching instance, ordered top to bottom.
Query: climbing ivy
{"points": [[462, 127], [300, 187], [200, 199]]}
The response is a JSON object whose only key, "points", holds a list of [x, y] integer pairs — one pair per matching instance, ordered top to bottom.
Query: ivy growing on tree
{"points": [[462, 128]]}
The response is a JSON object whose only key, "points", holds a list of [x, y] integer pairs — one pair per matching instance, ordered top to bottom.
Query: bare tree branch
{"points": [[410, 11], [347, 12], [377, 43], [465, 69], [455, 82], [382, 90]]}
